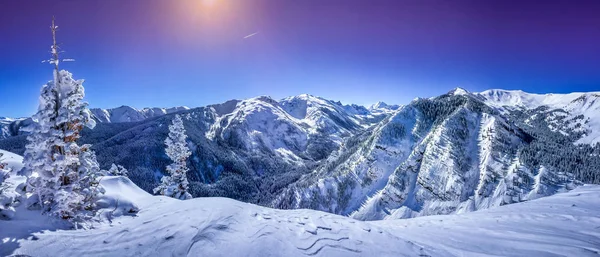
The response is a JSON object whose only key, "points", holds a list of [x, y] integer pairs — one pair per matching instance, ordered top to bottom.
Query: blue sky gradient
{"points": [[159, 53]]}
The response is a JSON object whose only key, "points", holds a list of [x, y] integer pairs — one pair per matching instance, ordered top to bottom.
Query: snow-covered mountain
{"points": [[499, 97], [381, 106], [583, 108], [130, 114], [5, 127], [12, 127], [290, 128], [255, 146], [453, 153], [448, 154], [565, 224]]}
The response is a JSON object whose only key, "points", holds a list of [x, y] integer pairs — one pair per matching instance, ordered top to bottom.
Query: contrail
{"points": [[251, 35]]}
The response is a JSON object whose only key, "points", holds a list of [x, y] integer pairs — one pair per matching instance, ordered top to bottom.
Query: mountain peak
{"points": [[458, 91], [305, 97], [264, 98], [378, 105], [383, 107]]}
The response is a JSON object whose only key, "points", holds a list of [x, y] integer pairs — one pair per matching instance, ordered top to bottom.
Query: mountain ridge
{"points": [[456, 152], [406, 174]]}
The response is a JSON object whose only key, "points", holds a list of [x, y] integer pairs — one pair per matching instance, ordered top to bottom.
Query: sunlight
{"points": [[208, 3], [211, 6], [208, 10], [208, 22]]}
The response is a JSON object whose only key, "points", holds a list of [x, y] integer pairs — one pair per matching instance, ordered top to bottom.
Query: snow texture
{"points": [[575, 104], [453, 153], [448, 154], [565, 224]]}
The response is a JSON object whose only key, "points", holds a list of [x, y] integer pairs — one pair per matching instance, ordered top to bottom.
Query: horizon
{"points": [[147, 54], [334, 100]]}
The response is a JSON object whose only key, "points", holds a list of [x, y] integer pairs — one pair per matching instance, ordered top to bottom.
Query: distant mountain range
{"points": [[130, 114], [12, 126], [457, 152]]}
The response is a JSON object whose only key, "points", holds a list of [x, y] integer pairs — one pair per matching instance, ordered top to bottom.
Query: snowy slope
{"points": [[499, 97], [575, 104], [381, 106], [130, 114], [325, 115], [261, 123], [4, 127], [10, 127], [295, 128], [255, 146], [453, 153], [448, 154], [14, 161], [8, 183], [561, 225]]}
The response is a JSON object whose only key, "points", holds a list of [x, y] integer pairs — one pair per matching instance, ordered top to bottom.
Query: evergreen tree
{"points": [[38, 157], [117, 170], [4, 172], [89, 178], [66, 180], [176, 184], [7, 200]]}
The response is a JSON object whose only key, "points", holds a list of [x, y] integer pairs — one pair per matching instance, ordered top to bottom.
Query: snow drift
{"points": [[564, 224]]}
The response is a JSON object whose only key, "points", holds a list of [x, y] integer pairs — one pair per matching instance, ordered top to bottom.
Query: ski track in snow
{"points": [[566, 224]]}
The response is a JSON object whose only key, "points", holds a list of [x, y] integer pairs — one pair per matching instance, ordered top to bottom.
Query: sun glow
{"points": [[208, 3], [209, 10], [210, 23]]}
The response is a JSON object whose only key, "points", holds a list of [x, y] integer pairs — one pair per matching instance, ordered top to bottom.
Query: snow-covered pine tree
{"points": [[38, 157], [74, 165], [117, 170], [4, 172], [67, 175], [89, 178], [176, 184], [7, 199]]}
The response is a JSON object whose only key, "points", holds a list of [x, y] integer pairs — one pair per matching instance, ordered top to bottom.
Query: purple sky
{"points": [[193, 52]]}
